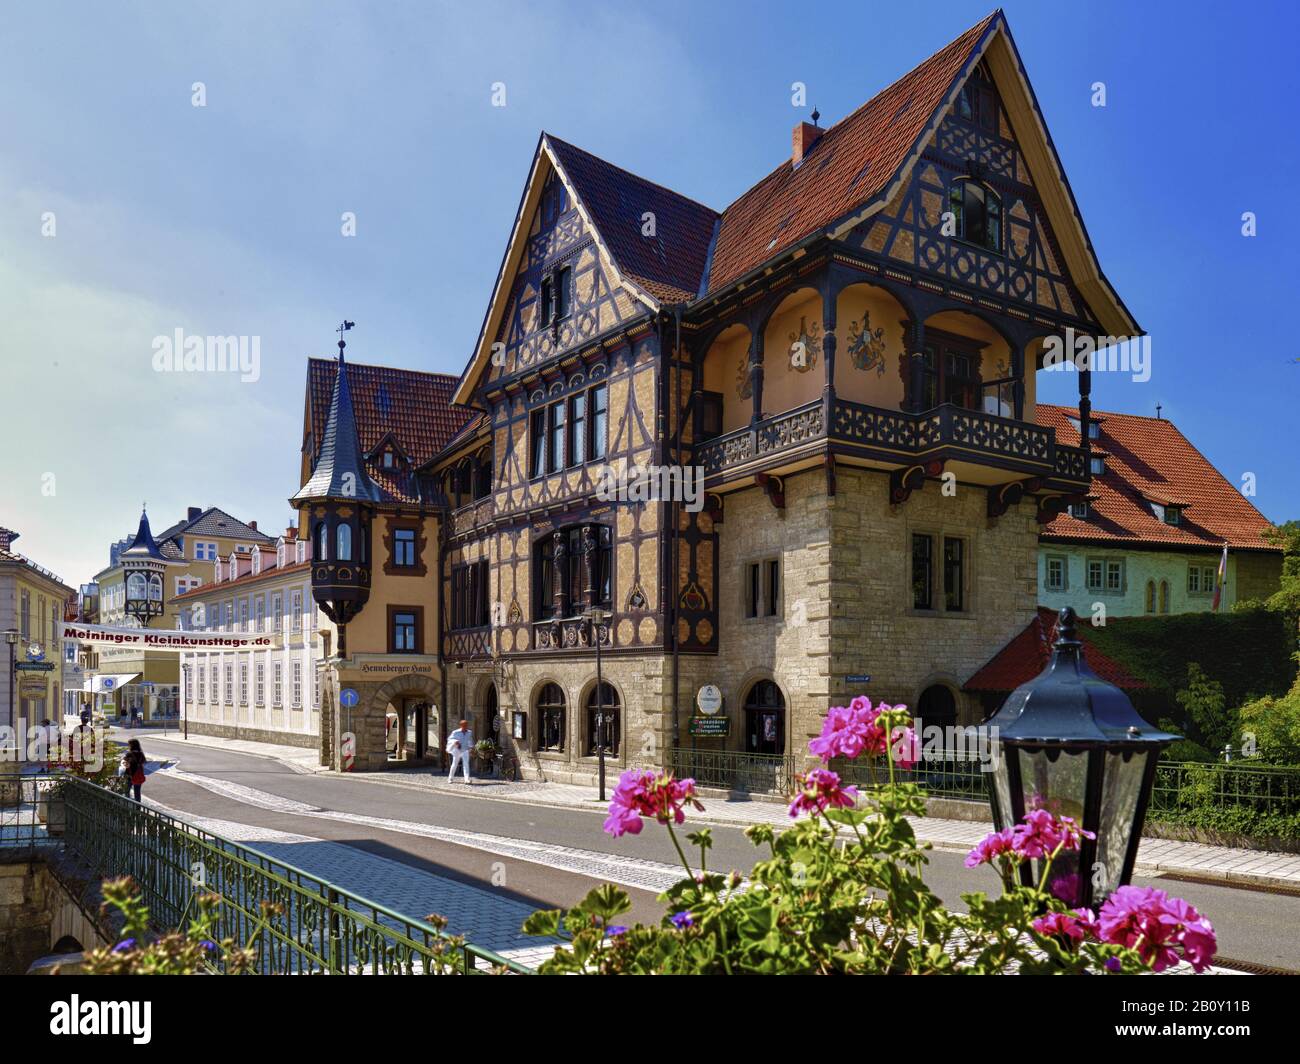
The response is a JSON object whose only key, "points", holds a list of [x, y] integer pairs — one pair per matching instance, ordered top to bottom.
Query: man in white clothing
{"points": [[459, 744]]}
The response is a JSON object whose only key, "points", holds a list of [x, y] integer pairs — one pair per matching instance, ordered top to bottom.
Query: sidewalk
{"points": [[298, 758], [1259, 868]]}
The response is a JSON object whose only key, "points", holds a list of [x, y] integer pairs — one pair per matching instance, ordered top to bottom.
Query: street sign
{"points": [[34, 666], [857, 677], [348, 698], [709, 699], [710, 727]]}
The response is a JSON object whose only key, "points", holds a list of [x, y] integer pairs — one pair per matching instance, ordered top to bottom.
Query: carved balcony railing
{"points": [[947, 431], [473, 515], [569, 633]]}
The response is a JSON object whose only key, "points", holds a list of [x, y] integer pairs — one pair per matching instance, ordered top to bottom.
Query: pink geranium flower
{"points": [[821, 791], [642, 793], [1040, 833], [991, 847], [1151, 922], [1073, 926]]}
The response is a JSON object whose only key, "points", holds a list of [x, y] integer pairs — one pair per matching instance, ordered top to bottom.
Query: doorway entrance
{"points": [[765, 719], [411, 729]]}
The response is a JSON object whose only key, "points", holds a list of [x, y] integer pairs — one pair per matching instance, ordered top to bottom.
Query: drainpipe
{"points": [[676, 512]]}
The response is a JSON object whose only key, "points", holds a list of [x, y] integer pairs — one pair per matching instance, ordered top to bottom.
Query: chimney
{"points": [[806, 134], [193, 513], [252, 525], [290, 533]]}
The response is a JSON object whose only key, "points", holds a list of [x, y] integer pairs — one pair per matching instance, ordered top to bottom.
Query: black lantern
{"points": [[339, 503], [143, 572], [1071, 743]]}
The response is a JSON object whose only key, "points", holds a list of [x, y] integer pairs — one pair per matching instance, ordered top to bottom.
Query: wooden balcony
{"points": [[947, 433], [472, 515]]}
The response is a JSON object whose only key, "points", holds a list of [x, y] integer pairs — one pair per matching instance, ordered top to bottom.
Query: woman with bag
{"points": [[133, 767]]}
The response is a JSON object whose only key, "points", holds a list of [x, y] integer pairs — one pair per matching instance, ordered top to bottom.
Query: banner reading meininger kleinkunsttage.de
{"points": [[160, 639]]}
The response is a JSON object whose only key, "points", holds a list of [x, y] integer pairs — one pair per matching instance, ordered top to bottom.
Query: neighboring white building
{"points": [[266, 695]]}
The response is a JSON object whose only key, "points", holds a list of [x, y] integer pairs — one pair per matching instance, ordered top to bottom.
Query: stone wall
{"points": [[874, 629], [256, 735], [35, 914]]}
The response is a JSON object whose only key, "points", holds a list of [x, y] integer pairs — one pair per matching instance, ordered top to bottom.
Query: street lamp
{"points": [[597, 618], [11, 637], [1069, 742]]}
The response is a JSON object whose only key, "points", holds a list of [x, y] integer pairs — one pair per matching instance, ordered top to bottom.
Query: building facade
{"points": [[788, 449], [1149, 537], [32, 605], [145, 684], [265, 695]]}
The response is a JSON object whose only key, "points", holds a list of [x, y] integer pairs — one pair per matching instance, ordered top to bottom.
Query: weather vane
{"points": [[341, 330]]}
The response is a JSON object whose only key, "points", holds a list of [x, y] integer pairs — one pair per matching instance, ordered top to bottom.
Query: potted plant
{"points": [[486, 751]]}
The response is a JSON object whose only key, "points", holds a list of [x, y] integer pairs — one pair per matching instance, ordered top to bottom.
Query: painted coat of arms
{"points": [[867, 346]]}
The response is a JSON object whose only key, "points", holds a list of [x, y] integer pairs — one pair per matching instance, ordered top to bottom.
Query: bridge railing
{"points": [[296, 923]]}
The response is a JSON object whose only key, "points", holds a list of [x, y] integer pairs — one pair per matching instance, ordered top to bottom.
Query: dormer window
{"points": [[978, 212], [387, 460], [1098, 466], [1079, 510], [1173, 515]]}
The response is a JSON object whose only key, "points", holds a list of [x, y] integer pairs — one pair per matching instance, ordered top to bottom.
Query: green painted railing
{"points": [[737, 771], [1191, 784], [296, 922]]}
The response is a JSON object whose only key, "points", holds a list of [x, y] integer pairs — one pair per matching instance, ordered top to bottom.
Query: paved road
{"points": [[550, 857]]}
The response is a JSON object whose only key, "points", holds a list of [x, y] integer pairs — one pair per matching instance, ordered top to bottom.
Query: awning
{"points": [[110, 682]]}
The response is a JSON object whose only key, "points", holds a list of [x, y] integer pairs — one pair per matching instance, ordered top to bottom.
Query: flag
{"points": [[1221, 578]]}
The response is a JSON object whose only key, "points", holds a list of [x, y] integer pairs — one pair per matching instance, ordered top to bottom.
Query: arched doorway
{"points": [[938, 706], [411, 719], [765, 719]]}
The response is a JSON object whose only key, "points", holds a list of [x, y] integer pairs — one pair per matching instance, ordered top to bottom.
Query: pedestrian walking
{"points": [[459, 744], [133, 765]]}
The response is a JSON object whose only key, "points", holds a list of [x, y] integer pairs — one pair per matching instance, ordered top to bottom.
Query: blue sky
{"points": [[225, 219]]}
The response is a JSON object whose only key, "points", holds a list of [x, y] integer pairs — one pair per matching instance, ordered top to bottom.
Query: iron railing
{"points": [[736, 771], [960, 774], [1181, 785], [296, 922]]}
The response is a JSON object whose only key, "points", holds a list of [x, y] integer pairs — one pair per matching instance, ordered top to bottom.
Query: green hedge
{"points": [[1249, 653]]}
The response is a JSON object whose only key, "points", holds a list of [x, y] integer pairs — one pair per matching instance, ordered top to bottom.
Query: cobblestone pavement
{"points": [[1258, 867], [484, 918]]}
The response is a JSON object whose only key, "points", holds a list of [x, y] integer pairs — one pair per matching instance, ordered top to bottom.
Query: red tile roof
{"points": [[853, 162], [668, 265], [414, 406], [1149, 460], [242, 581], [1029, 652]]}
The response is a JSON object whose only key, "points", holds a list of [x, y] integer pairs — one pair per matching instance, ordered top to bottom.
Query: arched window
{"points": [[978, 212], [483, 476], [320, 542], [344, 552], [137, 587], [155, 588], [1151, 596], [1164, 596], [604, 700], [937, 706], [550, 718], [765, 719]]}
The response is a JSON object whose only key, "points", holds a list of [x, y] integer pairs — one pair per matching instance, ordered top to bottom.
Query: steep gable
{"points": [[631, 245]]}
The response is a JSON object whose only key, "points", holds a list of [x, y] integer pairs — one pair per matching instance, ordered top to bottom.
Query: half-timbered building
{"points": [[788, 448]]}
